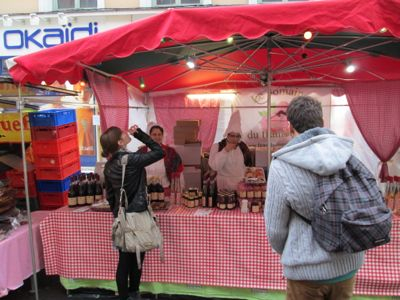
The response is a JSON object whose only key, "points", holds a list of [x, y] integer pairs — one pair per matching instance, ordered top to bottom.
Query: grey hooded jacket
{"points": [[292, 177]]}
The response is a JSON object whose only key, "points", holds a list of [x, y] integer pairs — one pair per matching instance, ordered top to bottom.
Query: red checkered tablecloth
{"points": [[202, 247]]}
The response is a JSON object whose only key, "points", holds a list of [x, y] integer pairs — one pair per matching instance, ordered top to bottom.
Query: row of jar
{"points": [[251, 190]]}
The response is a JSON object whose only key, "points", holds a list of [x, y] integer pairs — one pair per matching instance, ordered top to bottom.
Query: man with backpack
{"points": [[312, 271]]}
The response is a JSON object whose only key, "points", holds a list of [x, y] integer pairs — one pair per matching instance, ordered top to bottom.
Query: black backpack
{"points": [[349, 213]]}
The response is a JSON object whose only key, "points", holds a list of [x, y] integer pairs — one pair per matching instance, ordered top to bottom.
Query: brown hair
{"points": [[304, 112], [156, 127], [109, 141]]}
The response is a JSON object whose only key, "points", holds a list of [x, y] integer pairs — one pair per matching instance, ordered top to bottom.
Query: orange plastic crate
{"points": [[53, 132], [55, 146], [43, 160], [58, 173], [16, 178], [20, 192], [52, 200]]}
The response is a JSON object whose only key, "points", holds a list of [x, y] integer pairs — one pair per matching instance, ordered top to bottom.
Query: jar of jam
{"points": [[255, 207]]}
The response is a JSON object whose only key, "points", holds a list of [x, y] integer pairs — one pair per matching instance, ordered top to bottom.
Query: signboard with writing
{"points": [[252, 104], [10, 128]]}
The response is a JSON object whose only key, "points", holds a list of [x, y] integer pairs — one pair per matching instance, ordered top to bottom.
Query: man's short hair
{"points": [[304, 112]]}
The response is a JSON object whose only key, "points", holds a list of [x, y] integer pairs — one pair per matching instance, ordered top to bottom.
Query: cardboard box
{"points": [[188, 123], [188, 134], [190, 153], [192, 176]]}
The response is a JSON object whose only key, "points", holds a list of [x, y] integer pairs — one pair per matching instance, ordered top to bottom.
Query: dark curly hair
{"points": [[305, 112]]}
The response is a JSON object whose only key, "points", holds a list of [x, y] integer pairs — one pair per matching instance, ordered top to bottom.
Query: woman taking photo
{"points": [[114, 142], [167, 168]]}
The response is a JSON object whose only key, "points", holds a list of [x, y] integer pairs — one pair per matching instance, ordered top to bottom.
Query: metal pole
{"points": [[269, 84], [28, 205]]}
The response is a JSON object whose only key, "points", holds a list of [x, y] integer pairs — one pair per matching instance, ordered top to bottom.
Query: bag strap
{"points": [[124, 162]]}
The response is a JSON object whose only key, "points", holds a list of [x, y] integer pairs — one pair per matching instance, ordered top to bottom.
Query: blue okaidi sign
{"points": [[17, 41]]}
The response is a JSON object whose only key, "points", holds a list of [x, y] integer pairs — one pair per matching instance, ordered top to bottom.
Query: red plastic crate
{"points": [[53, 132], [56, 146], [44, 160], [58, 173], [16, 178], [20, 192], [53, 200]]}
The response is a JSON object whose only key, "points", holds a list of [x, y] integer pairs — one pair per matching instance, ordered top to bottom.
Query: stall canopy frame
{"points": [[234, 47]]}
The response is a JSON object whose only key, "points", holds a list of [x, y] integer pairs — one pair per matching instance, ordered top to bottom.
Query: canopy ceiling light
{"points": [[34, 19], [7, 20], [308, 35], [230, 40], [191, 63], [350, 67], [141, 83]]}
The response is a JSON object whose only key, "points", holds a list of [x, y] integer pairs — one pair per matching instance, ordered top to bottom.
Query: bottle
{"points": [[98, 188], [153, 188], [172, 188], [90, 189], [82, 190], [178, 190], [160, 191], [390, 193], [204, 194], [211, 194], [72, 196], [396, 205]]}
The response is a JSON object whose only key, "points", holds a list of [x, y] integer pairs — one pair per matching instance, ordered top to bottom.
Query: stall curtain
{"points": [[112, 95], [170, 108], [376, 110]]}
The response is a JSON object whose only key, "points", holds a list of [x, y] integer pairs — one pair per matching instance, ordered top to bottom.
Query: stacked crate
{"points": [[56, 153], [17, 183]]}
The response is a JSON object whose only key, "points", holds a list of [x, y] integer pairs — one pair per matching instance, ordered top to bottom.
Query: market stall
{"points": [[258, 46]]}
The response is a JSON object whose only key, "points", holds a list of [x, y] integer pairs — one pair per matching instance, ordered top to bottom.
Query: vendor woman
{"points": [[231, 156], [168, 167]]}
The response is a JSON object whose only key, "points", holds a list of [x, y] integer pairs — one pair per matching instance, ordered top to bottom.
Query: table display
{"points": [[202, 246], [15, 258]]}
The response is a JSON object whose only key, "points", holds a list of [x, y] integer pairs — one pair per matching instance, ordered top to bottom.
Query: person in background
{"points": [[114, 142], [230, 157], [170, 166], [311, 272]]}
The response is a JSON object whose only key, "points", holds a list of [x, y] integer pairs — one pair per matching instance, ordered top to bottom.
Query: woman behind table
{"points": [[114, 142], [230, 156], [171, 164]]}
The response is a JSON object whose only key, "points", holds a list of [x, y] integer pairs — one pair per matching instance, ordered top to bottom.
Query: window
{"points": [[176, 2], [75, 4]]}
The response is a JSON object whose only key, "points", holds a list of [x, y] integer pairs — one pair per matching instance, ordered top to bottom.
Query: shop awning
{"points": [[268, 44]]}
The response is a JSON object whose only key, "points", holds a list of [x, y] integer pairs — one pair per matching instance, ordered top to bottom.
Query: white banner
{"points": [[252, 104]]}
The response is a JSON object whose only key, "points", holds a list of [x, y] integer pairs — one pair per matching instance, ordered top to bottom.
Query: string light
{"points": [[383, 30], [308, 35], [230, 40], [190, 62], [350, 67], [141, 83]]}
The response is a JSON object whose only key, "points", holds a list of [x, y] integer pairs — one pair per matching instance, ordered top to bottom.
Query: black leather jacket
{"points": [[135, 175]]}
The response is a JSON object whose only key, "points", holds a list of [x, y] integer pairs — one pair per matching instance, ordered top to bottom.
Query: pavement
{"points": [[50, 288]]}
